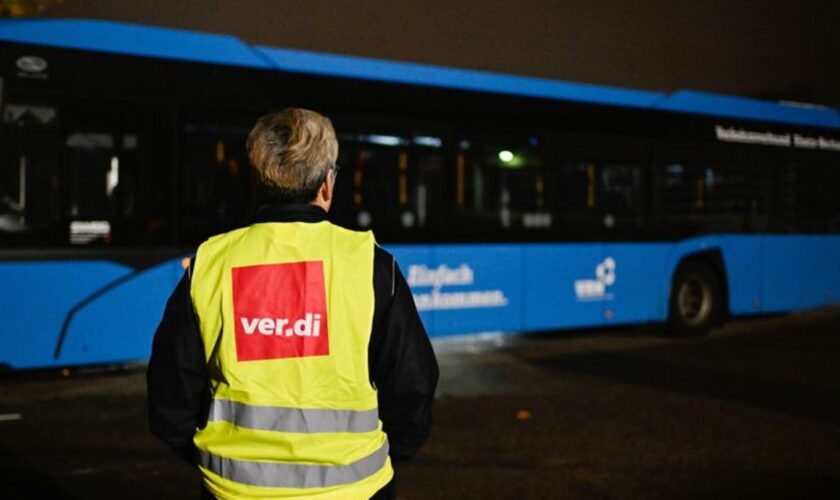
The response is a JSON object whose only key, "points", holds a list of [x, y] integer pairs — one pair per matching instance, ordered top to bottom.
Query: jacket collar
{"points": [[287, 212]]}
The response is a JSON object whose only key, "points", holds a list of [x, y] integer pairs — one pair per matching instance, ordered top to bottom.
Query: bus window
{"points": [[82, 175], [92, 175], [29, 177], [390, 177], [502, 181], [427, 182], [601, 184], [713, 189], [800, 190], [215, 194], [713, 196], [782, 196], [108, 197], [578, 198], [624, 201], [816, 201]]}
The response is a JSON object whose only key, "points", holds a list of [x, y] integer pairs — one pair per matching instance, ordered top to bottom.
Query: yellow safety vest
{"points": [[285, 312]]}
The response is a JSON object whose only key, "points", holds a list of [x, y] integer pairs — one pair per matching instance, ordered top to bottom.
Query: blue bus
{"points": [[513, 204]]}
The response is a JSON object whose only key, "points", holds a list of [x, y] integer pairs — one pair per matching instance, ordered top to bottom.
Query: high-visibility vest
{"points": [[285, 312]]}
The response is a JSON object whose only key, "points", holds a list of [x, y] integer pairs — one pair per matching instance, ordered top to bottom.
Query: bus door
{"points": [[391, 181], [514, 191], [85, 199], [633, 249], [564, 287]]}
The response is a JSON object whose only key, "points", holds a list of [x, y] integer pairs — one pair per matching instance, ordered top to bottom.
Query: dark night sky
{"points": [[770, 49]]}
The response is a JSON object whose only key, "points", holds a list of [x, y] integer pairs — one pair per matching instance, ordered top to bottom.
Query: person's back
{"points": [[297, 326]]}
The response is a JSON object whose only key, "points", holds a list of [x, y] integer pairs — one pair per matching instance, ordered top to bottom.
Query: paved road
{"points": [[751, 410]]}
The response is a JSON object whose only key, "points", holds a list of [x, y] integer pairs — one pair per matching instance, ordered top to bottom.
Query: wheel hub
{"points": [[694, 301]]}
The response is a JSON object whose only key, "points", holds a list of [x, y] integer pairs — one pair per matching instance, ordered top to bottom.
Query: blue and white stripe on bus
{"points": [[459, 289]]}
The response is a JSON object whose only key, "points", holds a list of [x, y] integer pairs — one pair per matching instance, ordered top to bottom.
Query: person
{"points": [[290, 360]]}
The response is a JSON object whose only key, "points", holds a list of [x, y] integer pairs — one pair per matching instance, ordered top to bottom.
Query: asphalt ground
{"points": [[750, 411]]}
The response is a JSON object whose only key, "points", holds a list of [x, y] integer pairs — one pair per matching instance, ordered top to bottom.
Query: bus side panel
{"points": [[742, 257], [742, 264], [832, 269], [800, 272], [642, 276], [497, 284], [480, 288], [562, 289], [36, 299], [119, 325]]}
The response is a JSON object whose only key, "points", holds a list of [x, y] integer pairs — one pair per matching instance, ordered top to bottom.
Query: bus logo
{"points": [[597, 289], [280, 311]]}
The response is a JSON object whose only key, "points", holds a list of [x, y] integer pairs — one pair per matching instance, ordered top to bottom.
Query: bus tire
{"points": [[696, 300]]}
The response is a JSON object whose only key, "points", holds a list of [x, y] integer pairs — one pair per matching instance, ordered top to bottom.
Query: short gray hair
{"points": [[291, 151]]}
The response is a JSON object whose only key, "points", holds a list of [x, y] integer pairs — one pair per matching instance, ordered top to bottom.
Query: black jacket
{"points": [[402, 365]]}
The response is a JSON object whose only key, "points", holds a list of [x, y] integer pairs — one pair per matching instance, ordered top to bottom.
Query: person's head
{"points": [[293, 154]]}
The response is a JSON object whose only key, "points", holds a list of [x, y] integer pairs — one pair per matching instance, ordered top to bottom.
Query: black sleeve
{"points": [[402, 363], [177, 379]]}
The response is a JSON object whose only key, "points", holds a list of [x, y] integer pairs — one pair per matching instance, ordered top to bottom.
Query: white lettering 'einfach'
{"points": [[422, 276], [309, 326]]}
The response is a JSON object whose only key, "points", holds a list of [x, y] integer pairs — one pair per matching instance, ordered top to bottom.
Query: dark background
{"points": [[768, 49]]}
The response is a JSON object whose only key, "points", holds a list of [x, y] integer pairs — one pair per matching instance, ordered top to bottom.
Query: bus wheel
{"points": [[696, 302]]}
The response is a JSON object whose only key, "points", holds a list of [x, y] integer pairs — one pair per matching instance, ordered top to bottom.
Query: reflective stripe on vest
{"points": [[283, 419], [285, 475]]}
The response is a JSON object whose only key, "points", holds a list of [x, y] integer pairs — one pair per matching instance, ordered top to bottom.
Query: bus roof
{"points": [[132, 39], [168, 43], [454, 78]]}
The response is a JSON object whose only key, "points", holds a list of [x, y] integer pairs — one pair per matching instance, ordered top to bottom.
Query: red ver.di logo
{"points": [[280, 311]]}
